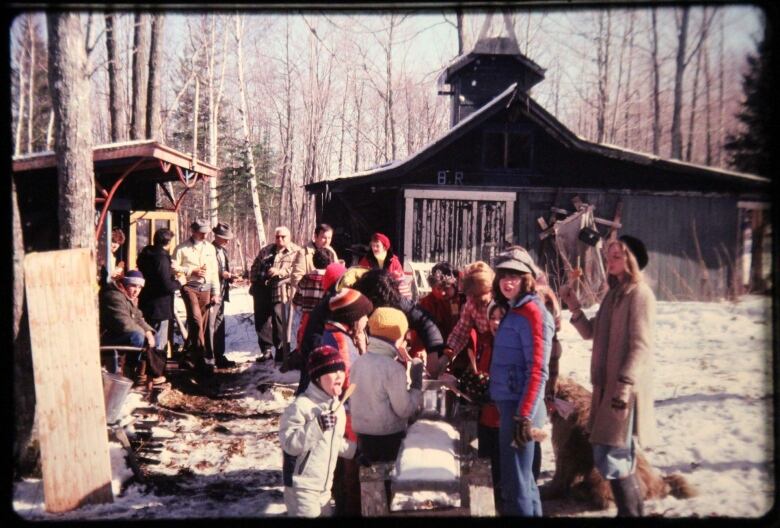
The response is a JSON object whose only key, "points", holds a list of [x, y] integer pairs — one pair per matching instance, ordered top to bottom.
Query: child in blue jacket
{"points": [[518, 372]]}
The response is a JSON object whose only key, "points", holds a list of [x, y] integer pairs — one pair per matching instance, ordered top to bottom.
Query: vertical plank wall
{"points": [[60, 290]]}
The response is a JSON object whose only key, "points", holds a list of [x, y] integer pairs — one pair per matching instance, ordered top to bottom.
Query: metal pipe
{"points": [[110, 197]]}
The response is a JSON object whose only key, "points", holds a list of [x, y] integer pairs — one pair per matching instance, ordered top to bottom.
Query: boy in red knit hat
{"points": [[349, 310], [312, 430]]}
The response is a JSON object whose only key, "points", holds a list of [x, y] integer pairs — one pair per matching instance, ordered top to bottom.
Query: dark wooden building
{"points": [[506, 162]]}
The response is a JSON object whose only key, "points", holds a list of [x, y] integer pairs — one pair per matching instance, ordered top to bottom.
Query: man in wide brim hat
{"points": [[222, 230], [216, 323]]}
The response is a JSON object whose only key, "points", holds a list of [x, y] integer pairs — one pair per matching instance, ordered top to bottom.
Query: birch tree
{"points": [[243, 111]]}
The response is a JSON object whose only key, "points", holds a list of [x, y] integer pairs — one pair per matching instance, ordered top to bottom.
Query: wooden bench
{"points": [[475, 484]]}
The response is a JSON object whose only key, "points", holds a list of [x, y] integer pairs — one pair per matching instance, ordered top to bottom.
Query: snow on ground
{"points": [[713, 391]]}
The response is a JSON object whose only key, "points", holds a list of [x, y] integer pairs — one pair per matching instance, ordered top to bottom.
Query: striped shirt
{"points": [[309, 290]]}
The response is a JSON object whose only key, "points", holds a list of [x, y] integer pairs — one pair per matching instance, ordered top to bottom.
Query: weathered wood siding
{"points": [[671, 226], [458, 231]]}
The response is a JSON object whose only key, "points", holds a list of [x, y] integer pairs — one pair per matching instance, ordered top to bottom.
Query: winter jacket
{"points": [[192, 254], [271, 257], [303, 263], [391, 264], [224, 284], [156, 297], [118, 314], [421, 321], [622, 333], [335, 335], [521, 353], [381, 404], [316, 451]]}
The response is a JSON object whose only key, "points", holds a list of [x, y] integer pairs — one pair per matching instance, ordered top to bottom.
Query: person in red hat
{"points": [[381, 256], [349, 310], [311, 433]]}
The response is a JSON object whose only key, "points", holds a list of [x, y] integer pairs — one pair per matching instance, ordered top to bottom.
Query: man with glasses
{"points": [[269, 276]]}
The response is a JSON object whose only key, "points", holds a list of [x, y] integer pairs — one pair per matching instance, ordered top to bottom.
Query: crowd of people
{"points": [[489, 328]]}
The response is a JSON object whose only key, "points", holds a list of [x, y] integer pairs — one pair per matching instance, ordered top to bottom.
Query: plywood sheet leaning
{"points": [[60, 290]]}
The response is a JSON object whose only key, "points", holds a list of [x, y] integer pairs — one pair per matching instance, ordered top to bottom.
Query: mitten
{"points": [[569, 297], [416, 373], [621, 396], [327, 420], [522, 430]]}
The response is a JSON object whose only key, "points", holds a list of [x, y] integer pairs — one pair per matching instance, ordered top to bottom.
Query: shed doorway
{"points": [[459, 227]]}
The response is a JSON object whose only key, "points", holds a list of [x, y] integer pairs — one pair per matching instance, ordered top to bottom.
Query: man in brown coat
{"points": [[269, 276], [621, 370]]}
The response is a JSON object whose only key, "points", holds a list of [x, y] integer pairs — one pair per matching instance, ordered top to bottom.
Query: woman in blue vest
{"points": [[518, 372]]}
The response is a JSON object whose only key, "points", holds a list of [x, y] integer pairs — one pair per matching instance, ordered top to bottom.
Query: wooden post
{"points": [[59, 287], [476, 491], [373, 495]]}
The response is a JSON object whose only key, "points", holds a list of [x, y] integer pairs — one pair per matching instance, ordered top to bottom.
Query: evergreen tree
{"points": [[749, 150]]}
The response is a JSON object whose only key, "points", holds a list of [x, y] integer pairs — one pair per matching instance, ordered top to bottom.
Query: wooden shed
{"points": [[506, 162], [134, 191]]}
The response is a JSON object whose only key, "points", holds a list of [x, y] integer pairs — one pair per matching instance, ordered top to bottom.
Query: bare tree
{"points": [[602, 62], [140, 70], [155, 71], [679, 71], [69, 82], [31, 87], [656, 95], [215, 99], [20, 101], [244, 110], [118, 128]]}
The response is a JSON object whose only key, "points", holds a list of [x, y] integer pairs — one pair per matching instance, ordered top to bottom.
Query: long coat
{"points": [[156, 298], [622, 333]]}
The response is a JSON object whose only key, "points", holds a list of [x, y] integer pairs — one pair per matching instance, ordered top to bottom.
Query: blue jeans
{"points": [[136, 339], [616, 462], [518, 486]]}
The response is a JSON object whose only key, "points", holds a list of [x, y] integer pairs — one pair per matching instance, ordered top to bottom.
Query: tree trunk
{"points": [[459, 19], [602, 61], [656, 67], [140, 70], [679, 71], [155, 73], [69, 83], [31, 88], [694, 101], [20, 105], [115, 106], [707, 106], [359, 107], [244, 111], [50, 131], [25, 451]]}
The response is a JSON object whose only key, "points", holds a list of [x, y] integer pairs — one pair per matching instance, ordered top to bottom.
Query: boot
{"points": [[628, 496]]}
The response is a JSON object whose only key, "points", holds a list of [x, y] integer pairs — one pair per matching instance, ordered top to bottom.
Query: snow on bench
{"points": [[428, 453]]}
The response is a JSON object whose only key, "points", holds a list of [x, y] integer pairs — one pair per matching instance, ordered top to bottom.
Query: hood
{"points": [[381, 347]]}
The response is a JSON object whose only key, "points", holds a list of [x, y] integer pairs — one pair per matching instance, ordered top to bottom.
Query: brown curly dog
{"points": [[574, 469]]}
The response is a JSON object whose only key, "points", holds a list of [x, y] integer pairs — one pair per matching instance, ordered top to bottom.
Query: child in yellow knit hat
{"points": [[383, 400]]}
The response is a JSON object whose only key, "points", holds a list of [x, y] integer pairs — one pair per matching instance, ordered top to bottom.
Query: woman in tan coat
{"points": [[622, 405]]}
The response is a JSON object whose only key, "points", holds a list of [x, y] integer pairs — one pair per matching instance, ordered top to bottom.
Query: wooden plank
{"points": [[445, 194], [59, 287], [479, 489], [373, 495]]}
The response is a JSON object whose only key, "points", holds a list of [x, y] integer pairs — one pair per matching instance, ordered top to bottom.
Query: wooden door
{"points": [[459, 227]]}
